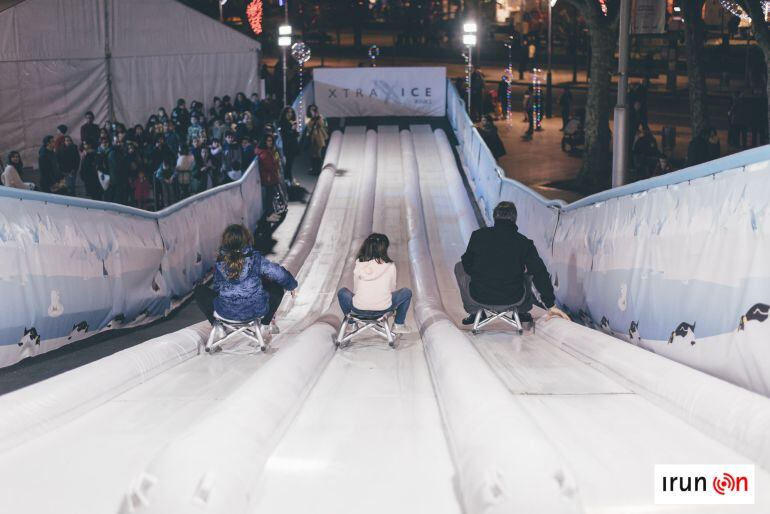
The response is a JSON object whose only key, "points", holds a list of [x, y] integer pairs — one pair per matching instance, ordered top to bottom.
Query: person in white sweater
{"points": [[11, 176], [374, 285]]}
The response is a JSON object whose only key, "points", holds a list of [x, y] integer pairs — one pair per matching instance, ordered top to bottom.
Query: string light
{"points": [[733, 8], [254, 15], [374, 51], [301, 53], [509, 83], [537, 92]]}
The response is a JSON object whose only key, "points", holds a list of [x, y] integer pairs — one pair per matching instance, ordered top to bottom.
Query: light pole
{"points": [[221, 10], [469, 40], [284, 41], [548, 90], [620, 137]]}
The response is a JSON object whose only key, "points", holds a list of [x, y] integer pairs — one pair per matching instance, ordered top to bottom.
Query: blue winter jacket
{"points": [[245, 298]]}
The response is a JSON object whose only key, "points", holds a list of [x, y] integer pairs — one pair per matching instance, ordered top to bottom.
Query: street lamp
{"points": [[221, 10], [469, 40], [284, 41]]}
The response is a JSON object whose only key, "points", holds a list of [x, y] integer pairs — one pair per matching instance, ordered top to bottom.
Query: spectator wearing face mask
{"points": [[181, 117], [195, 130], [231, 158]]}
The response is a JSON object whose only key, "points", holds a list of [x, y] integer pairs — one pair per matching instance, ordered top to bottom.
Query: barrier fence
{"points": [[675, 264], [74, 267]]}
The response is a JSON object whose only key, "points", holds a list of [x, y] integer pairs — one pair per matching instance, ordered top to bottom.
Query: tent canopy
{"points": [[61, 58]]}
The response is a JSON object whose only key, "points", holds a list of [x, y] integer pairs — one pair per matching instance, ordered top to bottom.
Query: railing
{"points": [[671, 263], [76, 267]]}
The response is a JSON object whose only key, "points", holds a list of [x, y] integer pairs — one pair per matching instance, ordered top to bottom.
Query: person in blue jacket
{"points": [[246, 284]]}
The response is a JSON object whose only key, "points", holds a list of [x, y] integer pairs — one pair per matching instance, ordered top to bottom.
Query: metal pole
{"points": [[221, 12], [286, 19], [470, 68], [284, 76], [548, 91], [620, 139]]}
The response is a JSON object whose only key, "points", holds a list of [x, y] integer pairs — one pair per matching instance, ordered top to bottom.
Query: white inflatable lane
{"points": [[319, 277], [610, 436], [369, 437], [90, 462]]}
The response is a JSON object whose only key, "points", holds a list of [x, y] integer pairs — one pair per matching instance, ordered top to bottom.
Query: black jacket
{"points": [[49, 169], [497, 259]]}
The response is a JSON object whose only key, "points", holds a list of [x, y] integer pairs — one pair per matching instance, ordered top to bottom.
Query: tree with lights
{"points": [[601, 18], [694, 32]]}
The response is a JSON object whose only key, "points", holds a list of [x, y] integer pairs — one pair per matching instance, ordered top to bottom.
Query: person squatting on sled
{"points": [[499, 267], [246, 284], [374, 285]]}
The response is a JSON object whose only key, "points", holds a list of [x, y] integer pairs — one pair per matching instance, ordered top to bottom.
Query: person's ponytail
{"points": [[236, 243]]}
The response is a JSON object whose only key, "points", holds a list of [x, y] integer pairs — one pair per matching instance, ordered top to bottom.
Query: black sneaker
{"points": [[525, 317], [471, 319]]}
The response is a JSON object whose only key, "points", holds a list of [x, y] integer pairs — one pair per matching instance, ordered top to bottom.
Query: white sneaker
{"points": [[399, 328], [274, 330], [267, 334]]}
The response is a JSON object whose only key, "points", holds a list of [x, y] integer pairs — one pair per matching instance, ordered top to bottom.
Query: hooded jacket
{"points": [[373, 283], [245, 298]]}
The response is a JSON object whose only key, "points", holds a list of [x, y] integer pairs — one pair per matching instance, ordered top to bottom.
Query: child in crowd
{"points": [[142, 189], [246, 284], [374, 285]]}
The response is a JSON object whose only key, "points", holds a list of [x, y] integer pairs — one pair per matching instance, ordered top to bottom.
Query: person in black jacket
{"points": [[89, 131], [290, 138], [117, 162], [88, 171], [50, 175], [496, 266]]}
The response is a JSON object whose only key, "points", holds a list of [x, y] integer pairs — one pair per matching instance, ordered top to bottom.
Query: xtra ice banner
{"points": [[341, 92]]}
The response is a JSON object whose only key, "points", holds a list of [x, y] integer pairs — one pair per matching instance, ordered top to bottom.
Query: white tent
{"points": [[120, 59]]}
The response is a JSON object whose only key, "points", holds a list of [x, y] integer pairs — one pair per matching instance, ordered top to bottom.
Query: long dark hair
{"points": [[18, 165], [236, 245], [375, 248]]}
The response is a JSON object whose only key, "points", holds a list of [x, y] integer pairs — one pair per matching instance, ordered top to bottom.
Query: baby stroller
{"points": [[574, 137]]}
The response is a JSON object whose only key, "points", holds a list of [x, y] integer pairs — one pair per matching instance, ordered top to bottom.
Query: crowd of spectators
{"points": [[173, 156]]}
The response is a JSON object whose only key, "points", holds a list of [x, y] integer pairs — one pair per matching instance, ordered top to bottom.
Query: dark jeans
{"points": [[204, 297], [400, 301], [472, 305]]}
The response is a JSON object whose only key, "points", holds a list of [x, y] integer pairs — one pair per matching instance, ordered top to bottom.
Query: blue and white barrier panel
{"points": [[677, 264], [73, 268]]}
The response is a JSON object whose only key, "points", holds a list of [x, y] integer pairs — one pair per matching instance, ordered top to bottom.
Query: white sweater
{"points": [[11, 178], [373, 283]]}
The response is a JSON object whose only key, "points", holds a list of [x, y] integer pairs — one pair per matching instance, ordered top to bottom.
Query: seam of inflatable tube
{"points": [[755, 418], [9, 436]]}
